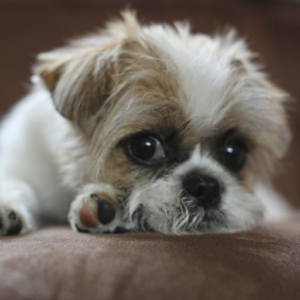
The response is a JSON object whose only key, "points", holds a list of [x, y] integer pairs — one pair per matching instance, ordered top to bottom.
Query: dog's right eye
{"points": [[146, 149]]}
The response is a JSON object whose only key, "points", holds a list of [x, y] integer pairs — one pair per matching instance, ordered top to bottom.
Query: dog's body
{"points": [[151, 128]]}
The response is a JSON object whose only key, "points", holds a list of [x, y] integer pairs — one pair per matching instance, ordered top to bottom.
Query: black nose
{"points": [[205, 190]]}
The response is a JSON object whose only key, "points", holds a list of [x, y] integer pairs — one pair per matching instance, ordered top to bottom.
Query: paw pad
{"points": [[106, 211], [87, 217], [10, 224]]}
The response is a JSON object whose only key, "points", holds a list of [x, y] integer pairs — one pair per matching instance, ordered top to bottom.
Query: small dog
{"points": [[143, 128]]}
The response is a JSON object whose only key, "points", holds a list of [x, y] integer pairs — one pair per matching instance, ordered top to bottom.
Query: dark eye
{"points": [[146, 149], [233, 154]]}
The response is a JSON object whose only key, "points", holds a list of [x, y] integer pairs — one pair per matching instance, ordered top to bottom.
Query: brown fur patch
{"points": [[123, 86]]}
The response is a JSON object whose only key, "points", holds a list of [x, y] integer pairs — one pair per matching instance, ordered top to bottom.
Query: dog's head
{"points": [[183, 123]]}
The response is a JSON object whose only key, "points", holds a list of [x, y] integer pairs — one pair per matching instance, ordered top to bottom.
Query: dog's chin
{"points": [[238, 211], [199, 221], [210, 221]]}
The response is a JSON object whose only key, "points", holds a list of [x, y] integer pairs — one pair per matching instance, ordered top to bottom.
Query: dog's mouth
{"points": [[139, 217], [189, 221], [119, 229]]}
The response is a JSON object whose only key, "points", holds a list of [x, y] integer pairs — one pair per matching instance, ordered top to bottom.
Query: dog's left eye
{"points": [[146, 149], [233, 154]]}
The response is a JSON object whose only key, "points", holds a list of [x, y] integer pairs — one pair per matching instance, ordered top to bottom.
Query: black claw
{"points": [[106, 212], [15, 227], [80, 229], [119, 230]]}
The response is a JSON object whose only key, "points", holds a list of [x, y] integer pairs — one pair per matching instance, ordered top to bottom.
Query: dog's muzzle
{"points": [[204, 191]]}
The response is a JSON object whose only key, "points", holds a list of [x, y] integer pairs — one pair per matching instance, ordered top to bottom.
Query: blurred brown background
{"points": [[271, 28]]}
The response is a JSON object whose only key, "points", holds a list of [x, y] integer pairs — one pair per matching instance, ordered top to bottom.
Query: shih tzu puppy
{"points": [[143, 128]]}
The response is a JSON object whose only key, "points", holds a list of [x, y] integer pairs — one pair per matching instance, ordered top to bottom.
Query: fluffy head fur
{"points": [[188, 91]]}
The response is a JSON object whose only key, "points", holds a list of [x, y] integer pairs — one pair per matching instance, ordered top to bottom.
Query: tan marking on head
{"points": [[118, 82], [120, 171]]}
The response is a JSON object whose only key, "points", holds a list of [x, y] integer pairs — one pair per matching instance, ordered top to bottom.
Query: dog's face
{"points": [[183, 124]]}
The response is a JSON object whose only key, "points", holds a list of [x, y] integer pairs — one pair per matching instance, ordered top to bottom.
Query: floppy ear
{"points": [[79, 80], [265, 105], [271, 118]]}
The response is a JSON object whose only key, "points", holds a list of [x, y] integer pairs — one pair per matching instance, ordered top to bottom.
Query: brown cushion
{"points": [[57, 263]]}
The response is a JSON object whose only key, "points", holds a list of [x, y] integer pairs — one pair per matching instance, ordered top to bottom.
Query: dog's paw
{"points": [[18, 207], [97, 209], [11, 223]]}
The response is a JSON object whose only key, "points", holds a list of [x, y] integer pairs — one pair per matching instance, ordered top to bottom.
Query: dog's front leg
{"points": [[97, 208]]}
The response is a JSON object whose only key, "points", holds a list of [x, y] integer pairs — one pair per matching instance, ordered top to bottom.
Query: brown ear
{"points": [[81, 76], [79, 83], [268, 104]]}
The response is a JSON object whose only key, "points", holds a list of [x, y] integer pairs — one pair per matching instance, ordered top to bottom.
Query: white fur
{"points": [[28, 150], [44, 163], [241, 208]]}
